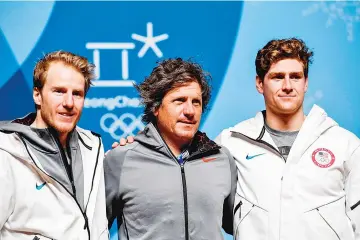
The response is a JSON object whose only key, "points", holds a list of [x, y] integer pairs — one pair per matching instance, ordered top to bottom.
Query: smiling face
{"points": [[284, 87], [61, 99], [179, 114]]}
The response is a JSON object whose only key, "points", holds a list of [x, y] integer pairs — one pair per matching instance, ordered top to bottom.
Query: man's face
{"points": [[284, 87], [61, 99], [179, 114]]}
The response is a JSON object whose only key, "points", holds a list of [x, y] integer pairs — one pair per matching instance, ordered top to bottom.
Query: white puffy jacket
{"points": [[314, 195]]}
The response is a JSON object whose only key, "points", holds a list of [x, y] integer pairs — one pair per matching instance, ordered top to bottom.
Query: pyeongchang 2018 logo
{"points": [[127, 123]]}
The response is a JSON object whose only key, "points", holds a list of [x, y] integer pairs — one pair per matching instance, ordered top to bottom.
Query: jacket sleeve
{"points": [[113, 163], [6, 189], [352, 189], [227, 221]]}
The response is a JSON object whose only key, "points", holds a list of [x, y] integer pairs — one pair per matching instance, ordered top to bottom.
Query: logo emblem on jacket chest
{"points": [[323, 157]]}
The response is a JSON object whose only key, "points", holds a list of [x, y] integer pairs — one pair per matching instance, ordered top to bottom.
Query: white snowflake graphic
{"points": [[346, 11], [150, 41]]}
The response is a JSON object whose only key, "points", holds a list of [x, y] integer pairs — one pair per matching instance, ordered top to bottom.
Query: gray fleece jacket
{"points": [[155, 197]]}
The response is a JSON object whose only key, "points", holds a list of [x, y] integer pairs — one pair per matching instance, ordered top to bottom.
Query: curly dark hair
{"points": [[279, 49], [167, 75]]}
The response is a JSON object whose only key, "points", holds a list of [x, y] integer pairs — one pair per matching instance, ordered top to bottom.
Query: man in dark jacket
{"points": [[173, 182]]}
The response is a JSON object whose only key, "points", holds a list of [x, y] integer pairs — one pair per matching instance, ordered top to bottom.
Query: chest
{"points": [[150, 183]]}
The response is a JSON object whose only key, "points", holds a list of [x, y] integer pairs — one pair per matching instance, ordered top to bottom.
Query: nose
{"points": [[286, 86], [68, 101], [189, 110]]}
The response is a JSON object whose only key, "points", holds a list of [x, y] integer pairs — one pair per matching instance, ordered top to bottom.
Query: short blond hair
{"points": [[81, 64]]}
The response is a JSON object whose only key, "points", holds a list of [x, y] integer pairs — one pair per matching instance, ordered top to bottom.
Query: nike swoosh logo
{"points": [[253, 156], [208, 159], [38, 187]]}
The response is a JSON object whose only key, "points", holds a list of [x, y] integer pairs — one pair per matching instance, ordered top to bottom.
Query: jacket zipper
{"points": [[67, 165], [183, 179], [185, 202], [86, 226]]}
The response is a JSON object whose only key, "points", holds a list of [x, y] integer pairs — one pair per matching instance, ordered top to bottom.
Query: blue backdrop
{"points": [[125, 39]]}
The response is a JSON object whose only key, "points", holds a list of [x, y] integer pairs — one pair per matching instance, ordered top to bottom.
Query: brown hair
{"points": [[279, 49], [80, 63], [167, 75]]}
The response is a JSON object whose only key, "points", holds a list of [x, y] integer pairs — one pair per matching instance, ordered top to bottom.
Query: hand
{"points": [[123, 141]]}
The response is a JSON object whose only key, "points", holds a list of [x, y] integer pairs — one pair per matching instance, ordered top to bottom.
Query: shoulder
{"points": [[241, 127], [87, 133], [345, 136], [89, 138], [225, 151], [118, 155], [232, 165]]}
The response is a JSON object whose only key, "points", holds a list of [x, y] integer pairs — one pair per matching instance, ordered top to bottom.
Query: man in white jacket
{"points": [[51, 171], [298, 176]]}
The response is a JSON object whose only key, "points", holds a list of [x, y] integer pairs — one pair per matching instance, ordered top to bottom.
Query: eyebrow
{"points": [[275, 74], [298, 74], [79, 90]]}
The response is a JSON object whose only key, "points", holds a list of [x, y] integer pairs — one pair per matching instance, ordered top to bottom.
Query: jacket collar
{"points": [[315, 123], [42, 138], [200, 144]]}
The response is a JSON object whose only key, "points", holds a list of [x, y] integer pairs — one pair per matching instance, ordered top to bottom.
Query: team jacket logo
{"points": [[248, 157], [323, 157], [208, 159], [40, 186]]}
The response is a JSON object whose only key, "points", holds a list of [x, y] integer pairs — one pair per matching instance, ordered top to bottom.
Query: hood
{"points": [[316, 122], [21, 126], [43, 139], [200, 144]]}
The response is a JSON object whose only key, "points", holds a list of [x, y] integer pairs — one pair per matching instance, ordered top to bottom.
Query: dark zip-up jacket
{"points": [[155, 197]]}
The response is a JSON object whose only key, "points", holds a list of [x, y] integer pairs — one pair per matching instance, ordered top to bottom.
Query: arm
{"points": [[112, 171], [6, 189], [352, 189], [228, 207]]}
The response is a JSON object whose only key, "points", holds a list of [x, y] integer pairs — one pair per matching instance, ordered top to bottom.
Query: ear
{"points": [[306, 84], [259, 85], [37, 96], [156, 111]]}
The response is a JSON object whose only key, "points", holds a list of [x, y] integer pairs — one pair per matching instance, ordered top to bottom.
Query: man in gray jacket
{"points": [[51, 174], [173, 182]]}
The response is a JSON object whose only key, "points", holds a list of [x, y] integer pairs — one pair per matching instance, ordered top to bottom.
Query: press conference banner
{"points": [[126, 39]]}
